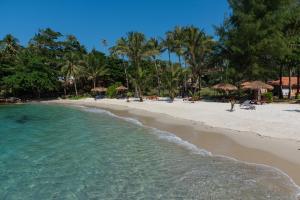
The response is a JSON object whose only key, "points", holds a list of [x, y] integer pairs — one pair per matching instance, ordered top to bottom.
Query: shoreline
{"points": [[247, 147]]}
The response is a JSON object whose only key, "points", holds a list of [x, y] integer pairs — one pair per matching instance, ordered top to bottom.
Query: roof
{"points": [[285, 81], [256, 85], [225, 87]]}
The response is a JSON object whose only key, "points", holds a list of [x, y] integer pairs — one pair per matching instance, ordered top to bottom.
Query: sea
{"points": [[74, 152]]}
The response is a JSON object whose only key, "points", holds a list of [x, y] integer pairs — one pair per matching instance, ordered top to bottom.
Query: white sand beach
{"points": [[269, 120]]}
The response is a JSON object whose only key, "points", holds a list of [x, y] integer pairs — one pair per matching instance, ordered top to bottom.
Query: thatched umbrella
{"points": [[256, 85], [225, 87], [121, 88], [99, 89]]}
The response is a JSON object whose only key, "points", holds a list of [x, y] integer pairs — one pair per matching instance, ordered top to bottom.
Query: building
{"points": [[285, 86]]}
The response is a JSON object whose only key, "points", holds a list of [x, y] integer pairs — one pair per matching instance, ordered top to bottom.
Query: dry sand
{"points": [[269, 135]]}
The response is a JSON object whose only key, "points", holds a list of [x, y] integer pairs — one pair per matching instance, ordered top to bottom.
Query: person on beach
{"points": [[232, 103]]}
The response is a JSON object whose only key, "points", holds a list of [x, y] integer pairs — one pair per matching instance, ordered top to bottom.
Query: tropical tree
{"points": [[135, 47], [197, 47], [156, 48], [73, 68], [96, 68], [171, 80]]}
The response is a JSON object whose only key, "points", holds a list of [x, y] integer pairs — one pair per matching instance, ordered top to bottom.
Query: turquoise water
{"points": [[57, 152]]}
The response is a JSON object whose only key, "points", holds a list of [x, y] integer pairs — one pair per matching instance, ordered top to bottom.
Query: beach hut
{"points": [[258, 86], [99, 90], [121, 90]]}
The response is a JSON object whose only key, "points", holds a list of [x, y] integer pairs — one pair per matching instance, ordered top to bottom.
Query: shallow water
{"points": [[58, 152]]}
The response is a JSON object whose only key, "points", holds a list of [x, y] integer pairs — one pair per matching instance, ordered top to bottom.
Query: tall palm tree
{"points": [[196, 46], [135, 47], [120, 49], [156, 49], [95, 67], [73, 68]]}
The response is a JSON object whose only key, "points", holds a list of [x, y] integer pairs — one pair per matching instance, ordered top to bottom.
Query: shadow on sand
{"points": [[295, 110]]}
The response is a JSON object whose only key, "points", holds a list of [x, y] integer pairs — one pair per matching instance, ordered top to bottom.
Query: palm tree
{"points": [[9, 45], [197, 45], [135, 47], [120, 49], [156, 49], [95, 67], [73, 68], [171, 76]]}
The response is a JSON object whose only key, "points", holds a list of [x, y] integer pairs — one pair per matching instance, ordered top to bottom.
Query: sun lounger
{"points": [[247, 105]]}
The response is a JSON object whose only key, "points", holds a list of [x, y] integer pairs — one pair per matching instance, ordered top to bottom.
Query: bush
{"points": [[111, 91], [129, 94], [79, 97], [268, 97]]}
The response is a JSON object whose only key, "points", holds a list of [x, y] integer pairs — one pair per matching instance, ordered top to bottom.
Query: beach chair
{"points": [[247, 105]]}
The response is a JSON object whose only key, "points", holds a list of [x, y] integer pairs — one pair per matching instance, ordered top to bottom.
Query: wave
{"points": [[170, 137]]}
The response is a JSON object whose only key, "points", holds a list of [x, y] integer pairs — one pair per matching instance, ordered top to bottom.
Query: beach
{"points": [[268, 135]]}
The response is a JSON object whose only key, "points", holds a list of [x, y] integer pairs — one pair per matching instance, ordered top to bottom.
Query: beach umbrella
{"points": [[245, 83], [256, 85], [225, 87], [121, 88], [99, 89]]}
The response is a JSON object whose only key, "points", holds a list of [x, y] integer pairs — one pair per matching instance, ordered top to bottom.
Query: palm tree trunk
{"points": [[179, 60], [126, 74], [126, 77], [158, 79], [298, 81], [94, 82], [280, 82], [290, 85], [75, 87], [65, 91], [140, 94]]}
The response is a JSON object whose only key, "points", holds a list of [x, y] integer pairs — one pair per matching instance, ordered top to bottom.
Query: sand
{"points": [[269, 135]]}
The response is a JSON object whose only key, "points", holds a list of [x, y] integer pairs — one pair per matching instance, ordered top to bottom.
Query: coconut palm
{"points": [[9, 45], [196, 46], [135, 47], [120, 49], [156, 49], [95, 67], [73, 68], [171, 78]]}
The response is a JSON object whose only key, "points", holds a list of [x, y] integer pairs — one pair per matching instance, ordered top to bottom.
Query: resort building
{"points": [[285, 86]]}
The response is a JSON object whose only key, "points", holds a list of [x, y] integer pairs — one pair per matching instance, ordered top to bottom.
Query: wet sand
{"points": [[279, 153]]}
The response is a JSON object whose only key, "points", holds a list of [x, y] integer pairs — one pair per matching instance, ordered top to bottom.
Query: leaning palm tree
{"points": [[135, 47], [95, 67], [73, 68]]}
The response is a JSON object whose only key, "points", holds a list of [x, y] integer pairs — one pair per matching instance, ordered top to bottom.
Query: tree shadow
{"points": [[294, 110]]}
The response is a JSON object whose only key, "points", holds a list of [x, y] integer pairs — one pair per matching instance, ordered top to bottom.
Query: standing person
{"points": [[232, 103]]}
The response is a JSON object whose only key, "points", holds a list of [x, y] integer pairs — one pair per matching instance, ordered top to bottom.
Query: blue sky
{"points": [[93, 20]]}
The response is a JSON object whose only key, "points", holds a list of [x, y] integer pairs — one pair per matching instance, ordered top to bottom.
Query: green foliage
{"points": [[258, 40], [112, 91], [84, 96], [268, 97]]}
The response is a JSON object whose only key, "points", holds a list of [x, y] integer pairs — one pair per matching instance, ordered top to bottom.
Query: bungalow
{"points": [[285, 86]]}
